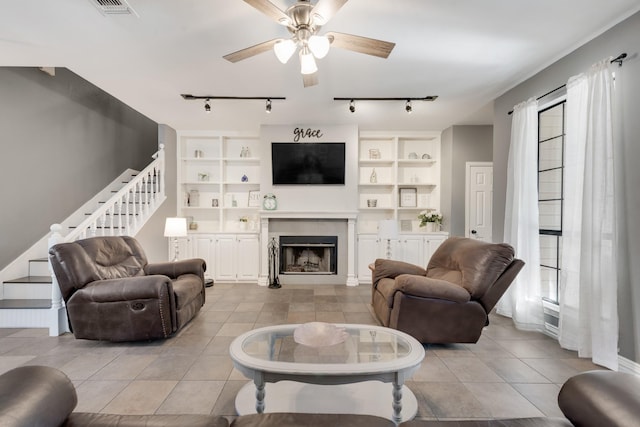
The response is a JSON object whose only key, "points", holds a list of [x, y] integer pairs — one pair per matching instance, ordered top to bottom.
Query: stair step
{"points": [[39, 267], [30, 279], [25, 303]]}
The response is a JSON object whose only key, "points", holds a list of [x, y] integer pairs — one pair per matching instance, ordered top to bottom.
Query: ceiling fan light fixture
{"points": [[319, 46], [284, 50], [307, 62]]}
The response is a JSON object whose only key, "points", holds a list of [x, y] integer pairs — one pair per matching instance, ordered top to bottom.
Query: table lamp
{"points": [[175, 227], [388, 230]]}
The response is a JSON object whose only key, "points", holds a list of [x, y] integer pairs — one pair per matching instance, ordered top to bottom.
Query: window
{"points": [[551, 134]]}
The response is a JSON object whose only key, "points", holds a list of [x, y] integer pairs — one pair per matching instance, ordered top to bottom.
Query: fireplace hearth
{"points": [[308, 255]]}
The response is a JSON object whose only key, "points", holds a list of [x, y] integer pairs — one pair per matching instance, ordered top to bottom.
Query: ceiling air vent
{"points": [[114, 7]]}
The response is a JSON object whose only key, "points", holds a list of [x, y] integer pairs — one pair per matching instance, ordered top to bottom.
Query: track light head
{"points": [[207, 106], [268, 106], [352, 106], [407, 106]]}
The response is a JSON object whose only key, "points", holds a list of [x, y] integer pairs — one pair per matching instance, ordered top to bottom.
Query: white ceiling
{"points": [[467, 52]]}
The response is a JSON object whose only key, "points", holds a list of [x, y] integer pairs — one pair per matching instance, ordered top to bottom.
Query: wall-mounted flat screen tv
{"points": [[308, 163]]}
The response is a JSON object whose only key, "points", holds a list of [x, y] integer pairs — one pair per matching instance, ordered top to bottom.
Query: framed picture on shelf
{"points": [[408, 197], [254, 199]]}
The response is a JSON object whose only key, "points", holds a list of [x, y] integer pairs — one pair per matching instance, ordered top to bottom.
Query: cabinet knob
{"points": [[474, 232]]}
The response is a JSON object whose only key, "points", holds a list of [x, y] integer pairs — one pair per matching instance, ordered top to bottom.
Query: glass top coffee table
{"points": [[319, 367]]}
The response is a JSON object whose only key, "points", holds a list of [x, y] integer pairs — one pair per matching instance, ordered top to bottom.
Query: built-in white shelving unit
{"points": [[396, 164], [217, 173]]}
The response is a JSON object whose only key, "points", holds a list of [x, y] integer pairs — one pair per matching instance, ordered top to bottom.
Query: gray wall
{"points": [[623, 37], [63, 140], [461, 144]]}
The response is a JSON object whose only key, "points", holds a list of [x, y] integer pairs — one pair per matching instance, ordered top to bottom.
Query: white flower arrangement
{"points": [[429, 216]]}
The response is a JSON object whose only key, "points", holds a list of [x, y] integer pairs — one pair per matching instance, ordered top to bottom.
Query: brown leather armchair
{"points": [[112, 293], [449, 302]]}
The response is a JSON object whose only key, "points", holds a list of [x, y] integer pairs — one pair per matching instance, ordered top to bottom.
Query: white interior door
{"points": [[479, 200]]}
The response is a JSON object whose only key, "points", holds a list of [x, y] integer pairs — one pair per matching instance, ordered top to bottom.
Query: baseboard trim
{"points": [[628, 366]]}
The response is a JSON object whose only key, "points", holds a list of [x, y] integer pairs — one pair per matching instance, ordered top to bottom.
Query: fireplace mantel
{"points": [[308, 215], [349, 216]]}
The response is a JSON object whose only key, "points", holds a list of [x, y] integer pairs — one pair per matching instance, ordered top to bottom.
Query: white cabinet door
{"points": [[204, 247], [369, 248], [411, 250], [247, 256], [225, 269]]}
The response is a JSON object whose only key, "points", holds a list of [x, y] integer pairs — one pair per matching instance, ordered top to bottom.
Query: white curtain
{"points": [[588, 286], [523, 300]]}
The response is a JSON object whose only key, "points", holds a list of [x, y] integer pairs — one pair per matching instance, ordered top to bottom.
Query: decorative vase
{"points": [[374, 176], [431, 227]]}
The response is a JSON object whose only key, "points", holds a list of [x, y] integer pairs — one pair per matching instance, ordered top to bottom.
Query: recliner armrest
{"points": [[388, 268], [174, 269], [427, 287], [127, 289], [35, 396], [601, 398]]}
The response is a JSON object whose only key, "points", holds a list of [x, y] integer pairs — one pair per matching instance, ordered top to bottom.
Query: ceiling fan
{"points": [[304, 20]]}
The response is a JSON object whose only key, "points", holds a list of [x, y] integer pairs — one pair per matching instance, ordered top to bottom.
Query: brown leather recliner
{"points": [[113, 294], [449, 302]]}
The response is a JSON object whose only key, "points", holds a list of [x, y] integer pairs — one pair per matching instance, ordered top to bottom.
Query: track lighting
{"points": [[207, 106], [268, 106], [408, 107]]}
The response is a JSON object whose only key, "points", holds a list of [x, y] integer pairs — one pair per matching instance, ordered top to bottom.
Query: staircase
{"points": [[122, 208]]}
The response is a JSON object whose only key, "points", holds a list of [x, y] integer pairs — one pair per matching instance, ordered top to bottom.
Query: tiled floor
{"points": [[508, 373]]}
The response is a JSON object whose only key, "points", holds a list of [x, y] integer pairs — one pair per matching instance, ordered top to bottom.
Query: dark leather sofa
{"points": [[112, 293], [449, 302], [41, 396]]}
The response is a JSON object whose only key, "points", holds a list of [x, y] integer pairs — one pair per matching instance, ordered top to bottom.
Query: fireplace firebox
{"points": [[308, 254]]}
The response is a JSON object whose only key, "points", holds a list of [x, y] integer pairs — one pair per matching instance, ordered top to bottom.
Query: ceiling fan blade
{"points": [[325, 9], [271, 10], [361, 44], [250, 51], [310, 79]]}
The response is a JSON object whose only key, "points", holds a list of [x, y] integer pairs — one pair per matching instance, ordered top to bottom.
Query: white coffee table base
{"points": [[367, 397]]}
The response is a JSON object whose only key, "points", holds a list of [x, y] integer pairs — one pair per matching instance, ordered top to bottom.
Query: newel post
{"points": [[58, 319]]}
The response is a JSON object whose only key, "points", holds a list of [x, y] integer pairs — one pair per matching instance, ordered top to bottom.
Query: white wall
{"points": [[310, 198]]}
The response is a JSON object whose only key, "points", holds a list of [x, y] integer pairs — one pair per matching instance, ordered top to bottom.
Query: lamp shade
{"points": [[319, 46], [284, 50], [307, 63], [175, 227], [388, 229]]}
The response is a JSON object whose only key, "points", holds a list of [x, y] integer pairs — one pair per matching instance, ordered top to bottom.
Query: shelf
{"points": [[200, 159], [241, 159], [385, 162], [421, 162], [201, 183], [240, 183], [376, 184], [417, 184], [209, 208], [377, 208], [418, 208]]}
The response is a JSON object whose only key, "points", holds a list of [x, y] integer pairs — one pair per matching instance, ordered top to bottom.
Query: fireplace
{"points": [[308, 255]]}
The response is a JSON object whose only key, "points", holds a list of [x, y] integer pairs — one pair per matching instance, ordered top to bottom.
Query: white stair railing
{"points": [[124, 214]]}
